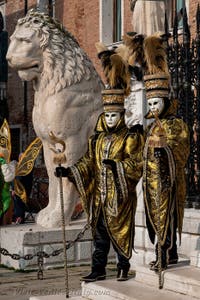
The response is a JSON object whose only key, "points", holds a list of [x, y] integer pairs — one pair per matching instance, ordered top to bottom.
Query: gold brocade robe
{"points": [[165, 182], [115, 193]]}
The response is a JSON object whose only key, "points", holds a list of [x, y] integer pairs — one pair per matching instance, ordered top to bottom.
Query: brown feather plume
{"points": [[134, 42], [100, 47], [122, 51], [155, 55], [115, 67], [119, 76]]}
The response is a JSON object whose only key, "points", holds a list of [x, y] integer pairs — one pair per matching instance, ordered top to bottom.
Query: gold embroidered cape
{"points": [[166, 181], [97, 184]]}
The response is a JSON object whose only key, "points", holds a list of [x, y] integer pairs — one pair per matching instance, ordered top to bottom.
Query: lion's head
{"points": [[42, 50]]}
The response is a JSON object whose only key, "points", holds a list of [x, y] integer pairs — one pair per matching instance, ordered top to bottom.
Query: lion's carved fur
{"points": [[67, 97]]}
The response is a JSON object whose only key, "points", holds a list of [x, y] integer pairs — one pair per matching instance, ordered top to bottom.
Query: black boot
{"points": [[173, 255], [173, 261], [154, 262], [154, 266], [122, 274], [94, 276]]}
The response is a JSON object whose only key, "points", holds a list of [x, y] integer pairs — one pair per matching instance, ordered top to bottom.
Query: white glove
{"points": [[8, 171]]}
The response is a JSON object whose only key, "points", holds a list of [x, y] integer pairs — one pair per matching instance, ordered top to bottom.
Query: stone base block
{"points": [[32, 238], [195, 259]]}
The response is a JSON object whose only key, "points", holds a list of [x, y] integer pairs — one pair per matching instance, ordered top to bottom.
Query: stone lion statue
{"points": [[67, 98]]}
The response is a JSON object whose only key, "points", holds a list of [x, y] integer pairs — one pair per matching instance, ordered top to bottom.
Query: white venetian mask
{"points": [[156, 104], [112, 118]]}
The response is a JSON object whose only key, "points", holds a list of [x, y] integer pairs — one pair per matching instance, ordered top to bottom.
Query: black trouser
{"points": [[19, 207], [102, 247], [170, 247]]}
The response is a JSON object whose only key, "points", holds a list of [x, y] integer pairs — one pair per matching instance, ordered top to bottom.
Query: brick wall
{"points": [[14, 11], [192, 15], [81, 18]]}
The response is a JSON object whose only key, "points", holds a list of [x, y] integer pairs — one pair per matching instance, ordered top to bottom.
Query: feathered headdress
{"points": [[134, 44], [155, 55], [115, 67], [117, 74], [156, 77]]}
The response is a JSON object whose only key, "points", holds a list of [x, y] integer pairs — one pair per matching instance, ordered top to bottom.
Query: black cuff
{"points": [[111, 163]]}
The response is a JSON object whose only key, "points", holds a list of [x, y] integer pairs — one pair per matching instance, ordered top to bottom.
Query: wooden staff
{"points": [[61, 159]]}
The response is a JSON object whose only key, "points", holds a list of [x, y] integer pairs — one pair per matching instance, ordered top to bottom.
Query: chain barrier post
{"points": [[40, 267]]}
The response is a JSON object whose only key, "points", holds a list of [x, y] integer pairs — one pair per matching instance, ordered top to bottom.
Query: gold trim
{"points": [[157, 94], [122, 180]]}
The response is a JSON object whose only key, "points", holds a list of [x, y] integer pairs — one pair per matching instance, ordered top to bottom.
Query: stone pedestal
{"points": [[29, 239]]}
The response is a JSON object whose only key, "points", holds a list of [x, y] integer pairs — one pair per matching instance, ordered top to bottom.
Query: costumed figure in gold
{"points": [[165, 155], [10, 170], [107, 175], [6, 206]]}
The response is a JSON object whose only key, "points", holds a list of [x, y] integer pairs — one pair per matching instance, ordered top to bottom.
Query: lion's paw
{"points": [[43, 217], [51, 219]]}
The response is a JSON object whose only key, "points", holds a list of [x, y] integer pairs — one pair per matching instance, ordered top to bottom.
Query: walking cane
{"points": [[61, 159], [160, 281]]}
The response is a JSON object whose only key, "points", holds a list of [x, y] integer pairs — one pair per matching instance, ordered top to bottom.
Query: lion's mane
{"points": [[63, 59]]}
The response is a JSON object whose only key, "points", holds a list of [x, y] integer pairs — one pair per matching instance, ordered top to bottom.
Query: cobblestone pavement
{"points": [[15, 285]]}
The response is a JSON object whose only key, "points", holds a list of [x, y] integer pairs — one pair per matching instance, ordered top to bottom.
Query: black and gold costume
{"points": [[164, 181], [111, 192]]}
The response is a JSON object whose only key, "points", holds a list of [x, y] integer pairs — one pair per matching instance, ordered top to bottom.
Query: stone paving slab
{"points": [[23, 285], [56, 297]]}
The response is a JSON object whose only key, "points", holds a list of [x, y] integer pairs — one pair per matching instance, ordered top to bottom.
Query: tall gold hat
{"points": [[117, 76], [156, 78], [157, 85], [113, 99]]}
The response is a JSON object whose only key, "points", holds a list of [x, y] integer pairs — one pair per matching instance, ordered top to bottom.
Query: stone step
{"points": [[181, 278], [127, 290]]}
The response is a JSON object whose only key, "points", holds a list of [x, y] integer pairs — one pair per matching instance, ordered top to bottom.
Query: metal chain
{"points": [[40, 267]]}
